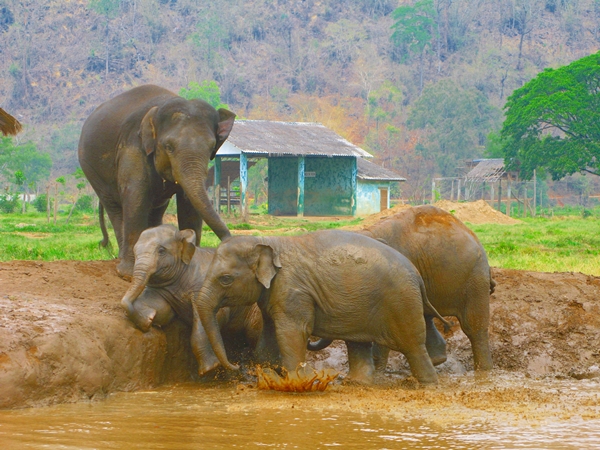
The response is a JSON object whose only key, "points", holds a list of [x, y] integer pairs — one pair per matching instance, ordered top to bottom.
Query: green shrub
{"points": [[9, 203], [40, 203], [84, 203]]}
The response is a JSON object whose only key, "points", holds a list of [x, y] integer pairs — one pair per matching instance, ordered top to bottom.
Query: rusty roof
{"points": [[271, 138], [490, 170], [369, 171]]}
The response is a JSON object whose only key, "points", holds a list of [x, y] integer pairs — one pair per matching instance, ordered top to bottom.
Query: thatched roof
{"points": [[270, 138], [489, 170], [369, 171]]}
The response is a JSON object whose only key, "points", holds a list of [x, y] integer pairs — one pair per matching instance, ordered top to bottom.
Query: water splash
{"points": [[269, 379]]}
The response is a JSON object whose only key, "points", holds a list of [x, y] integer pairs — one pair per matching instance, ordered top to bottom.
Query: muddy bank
{"points": [[65, 338]]}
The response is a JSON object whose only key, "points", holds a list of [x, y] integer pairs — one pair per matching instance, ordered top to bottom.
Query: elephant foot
{"points": [[125, 269], [143, 320], [206, 368], [359, 378]]}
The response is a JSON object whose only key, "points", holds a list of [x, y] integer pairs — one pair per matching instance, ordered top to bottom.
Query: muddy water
{"points": [[502, 411]]}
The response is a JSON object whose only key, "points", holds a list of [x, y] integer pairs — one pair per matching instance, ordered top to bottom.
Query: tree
{"points": [[109, 9], [414, 30], [208, 91], [553, 121], [455, 122], [25, 158]]}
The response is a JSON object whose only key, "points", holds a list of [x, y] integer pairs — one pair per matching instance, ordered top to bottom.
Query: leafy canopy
{"points": [[414, 26], [208, 91], [553, 121], [23, 163]]}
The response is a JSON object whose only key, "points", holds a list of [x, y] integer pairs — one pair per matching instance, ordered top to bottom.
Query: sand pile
{"points": [[476, 212]]}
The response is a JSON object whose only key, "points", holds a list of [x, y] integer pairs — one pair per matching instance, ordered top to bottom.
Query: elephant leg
{"points": [[115, 215], [188, 217], [155, 218], [135, 220], [150, 308], [474, 320], [291, 338], [435, 343], [201, 346], [267, 350], [381, 354], [360, 360], [421, 365]]}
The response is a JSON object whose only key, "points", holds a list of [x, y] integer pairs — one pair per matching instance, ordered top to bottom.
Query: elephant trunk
{"points": [[195, 191], [138, 284], [207, 307]]}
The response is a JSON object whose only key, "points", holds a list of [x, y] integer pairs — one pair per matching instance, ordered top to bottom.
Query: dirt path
{"points": [[64, 337]]}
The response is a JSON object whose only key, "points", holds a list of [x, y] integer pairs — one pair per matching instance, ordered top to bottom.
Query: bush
{"points": [[9, 203], [40, 203], [84, 203]]}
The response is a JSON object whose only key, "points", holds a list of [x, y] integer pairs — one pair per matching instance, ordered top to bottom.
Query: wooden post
{"points": [[432, 191], [452, 191], [458, 191], [534, 193], [492, 194], [499, 194], [508, 194], [228, 195], [55, 201], [48, 203]]}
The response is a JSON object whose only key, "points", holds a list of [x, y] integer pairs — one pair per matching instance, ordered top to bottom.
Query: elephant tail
{"points": [[105, 242], [492, 283], [428, 308], [318, 345]]}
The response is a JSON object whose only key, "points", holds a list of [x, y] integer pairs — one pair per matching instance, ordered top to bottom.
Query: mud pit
{"points": [[64, 337]]}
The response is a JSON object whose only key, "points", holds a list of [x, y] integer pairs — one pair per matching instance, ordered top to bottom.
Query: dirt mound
{"points": [[476, 212], [64, 336]]}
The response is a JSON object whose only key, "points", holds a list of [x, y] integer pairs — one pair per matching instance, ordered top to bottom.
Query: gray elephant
{"points": [[142, 147], [168, 273], [456, 273], [334, 284]]}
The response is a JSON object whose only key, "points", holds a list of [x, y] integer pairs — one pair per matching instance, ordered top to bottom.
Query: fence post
{"points": [[432, 191], [458, 191], [534, 193], [508, 195]]}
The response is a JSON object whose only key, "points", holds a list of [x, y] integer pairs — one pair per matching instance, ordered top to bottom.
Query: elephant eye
{"points": [[169, 148], [162, 251], [226, 280]]}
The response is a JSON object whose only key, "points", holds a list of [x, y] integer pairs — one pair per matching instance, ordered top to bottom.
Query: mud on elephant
{"points": [[142, 147], [168, 273], [456, 273], [334, 284]]}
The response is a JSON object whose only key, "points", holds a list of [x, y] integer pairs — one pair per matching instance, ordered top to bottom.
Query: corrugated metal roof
{"points": [[271, 138], [490, 170], [369, 171]]}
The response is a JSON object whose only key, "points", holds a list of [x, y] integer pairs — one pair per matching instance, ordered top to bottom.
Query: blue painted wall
{"points": [[283, 186], [331, 190], [368, 197]]}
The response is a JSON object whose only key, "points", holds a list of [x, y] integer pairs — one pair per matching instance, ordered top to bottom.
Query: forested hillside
{"points": [[418, 84]]}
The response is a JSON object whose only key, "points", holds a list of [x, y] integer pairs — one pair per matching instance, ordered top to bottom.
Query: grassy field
{"points": [[569, 243]]}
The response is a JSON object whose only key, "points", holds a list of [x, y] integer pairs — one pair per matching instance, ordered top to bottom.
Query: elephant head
{"points": [[183, 136], [161, 256], [242, 268]]}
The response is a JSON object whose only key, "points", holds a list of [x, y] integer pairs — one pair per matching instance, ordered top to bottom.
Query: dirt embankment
{"points": [[64, 336]]}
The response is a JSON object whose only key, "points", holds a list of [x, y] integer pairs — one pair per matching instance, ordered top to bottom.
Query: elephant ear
{"points": [[226, 119], [148, 131], [188, 247], [267, 264]]}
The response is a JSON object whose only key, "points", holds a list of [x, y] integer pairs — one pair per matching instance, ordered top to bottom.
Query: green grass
{"points": [[557, 244]]}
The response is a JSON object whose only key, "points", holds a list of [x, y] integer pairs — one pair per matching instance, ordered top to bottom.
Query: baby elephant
{"points": [[168, 273], [334, 284]]}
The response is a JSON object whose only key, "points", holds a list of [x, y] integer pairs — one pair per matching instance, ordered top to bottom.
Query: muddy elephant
{"points": [[8, 124], [143, 146], [455, 270], [168, 273], [334, 284]]}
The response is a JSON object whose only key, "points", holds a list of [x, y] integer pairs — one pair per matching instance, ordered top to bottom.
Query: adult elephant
{"points": [[143, 146], [456, 273]]}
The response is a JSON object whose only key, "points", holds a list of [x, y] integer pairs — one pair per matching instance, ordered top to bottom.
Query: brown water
{"points": [[501, 412]]}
